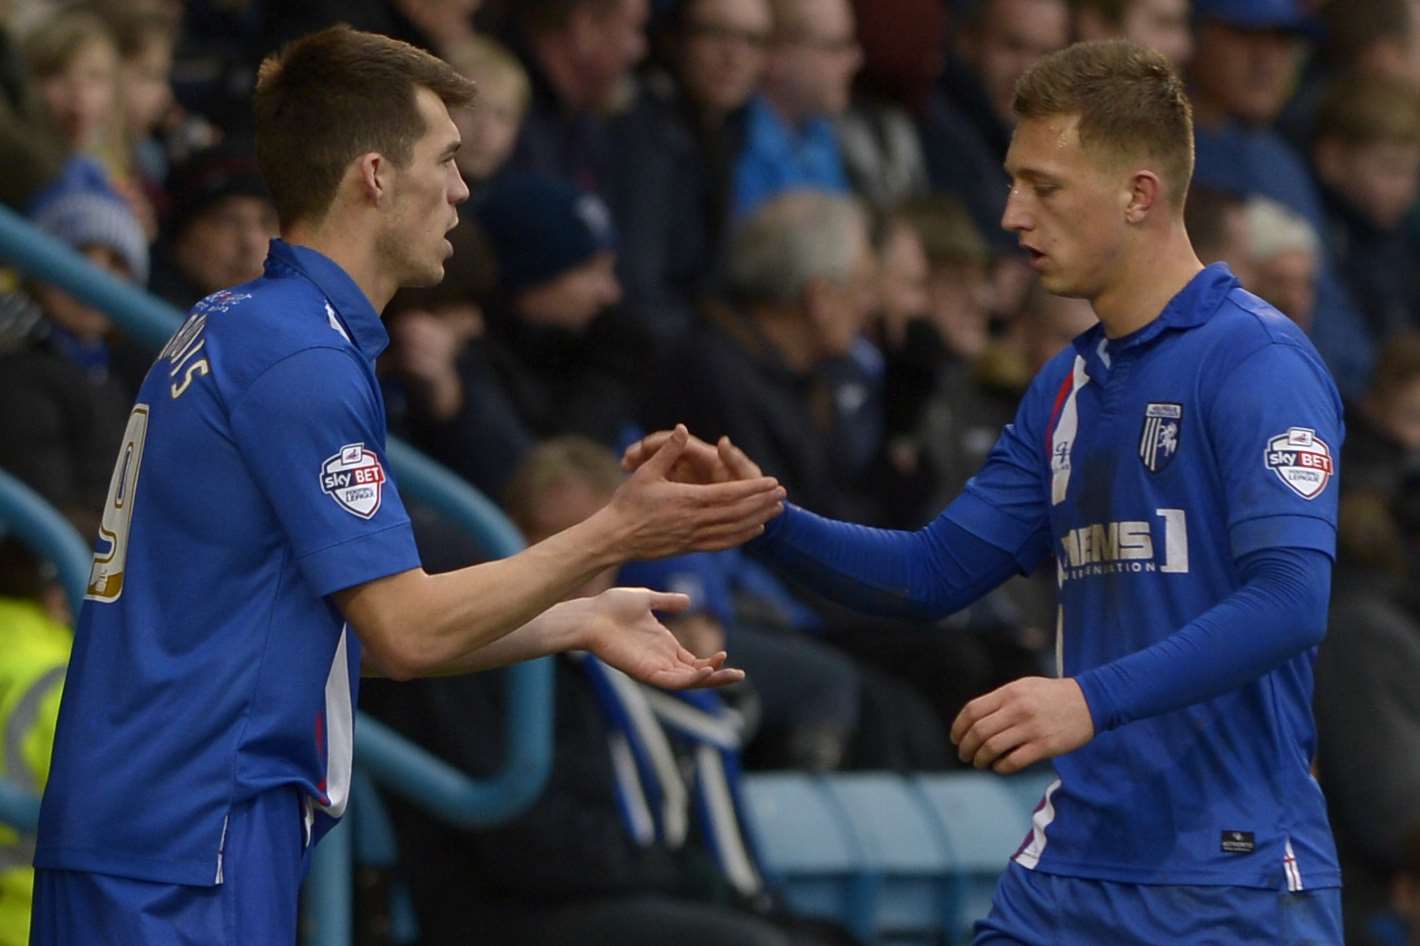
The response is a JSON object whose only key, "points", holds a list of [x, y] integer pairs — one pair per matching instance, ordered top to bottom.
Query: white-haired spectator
{"points": [[1283, 253], [799, 286]]}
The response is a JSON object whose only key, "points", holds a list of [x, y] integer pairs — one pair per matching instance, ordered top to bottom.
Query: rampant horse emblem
{"points": [[1159, 437]]}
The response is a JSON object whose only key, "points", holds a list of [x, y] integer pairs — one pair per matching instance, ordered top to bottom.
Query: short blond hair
{"points": [[491, 66], [1130, 101], [555, 464]]}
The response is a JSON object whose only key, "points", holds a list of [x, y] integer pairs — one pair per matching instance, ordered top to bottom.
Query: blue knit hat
{"points": [[1285, 15], [84, 218], [540, 227]]}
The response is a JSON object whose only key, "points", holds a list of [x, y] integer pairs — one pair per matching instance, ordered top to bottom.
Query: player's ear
{"points": [[373, 172], [1145, 192]]}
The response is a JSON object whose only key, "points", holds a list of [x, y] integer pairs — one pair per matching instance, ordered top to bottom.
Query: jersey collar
{"points": [[1191, 307], [361, 322]]}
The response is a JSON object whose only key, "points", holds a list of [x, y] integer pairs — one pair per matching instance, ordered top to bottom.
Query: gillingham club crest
{"points": [[1158, 439], [1300, 459], [354, 479]]}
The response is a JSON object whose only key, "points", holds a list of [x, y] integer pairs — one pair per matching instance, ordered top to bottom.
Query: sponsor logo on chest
{"points": [[1301, 459], [354, 479], [1126, 546]]}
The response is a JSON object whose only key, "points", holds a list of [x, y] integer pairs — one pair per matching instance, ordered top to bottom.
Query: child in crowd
{"points": [[73, 59], [490, 128], [1366, 154]]}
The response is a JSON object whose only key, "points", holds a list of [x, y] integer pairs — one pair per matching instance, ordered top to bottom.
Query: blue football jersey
{"points": [[1148, 465], [209, 665]]}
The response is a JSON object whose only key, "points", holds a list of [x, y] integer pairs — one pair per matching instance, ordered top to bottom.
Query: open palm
{"points": [[626, 635]]}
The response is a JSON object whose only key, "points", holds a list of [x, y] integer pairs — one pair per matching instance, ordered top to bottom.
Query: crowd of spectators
{"points": [[776, 220]]}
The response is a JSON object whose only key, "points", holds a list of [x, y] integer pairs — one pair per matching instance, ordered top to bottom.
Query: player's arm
{"points": [[308, 429], [1281, 514], [996, 529], [1282, 542], [1277, 613], [417, 624], [617, 625]]}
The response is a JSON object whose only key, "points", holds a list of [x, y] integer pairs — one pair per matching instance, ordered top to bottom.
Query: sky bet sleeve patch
{"points": [[1300, 459], [354, 479]]}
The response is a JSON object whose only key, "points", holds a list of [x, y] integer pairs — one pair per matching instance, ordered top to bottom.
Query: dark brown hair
{"points": [[1111, 11], [536, 17], [1354, 27], [135, 28], [327, 98], [1130, 101], [1365, 110], [948, 234], [1397, 365]]}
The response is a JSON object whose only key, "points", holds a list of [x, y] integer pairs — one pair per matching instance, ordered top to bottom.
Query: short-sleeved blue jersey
{"points": [[1149, 465], [208, 664]]}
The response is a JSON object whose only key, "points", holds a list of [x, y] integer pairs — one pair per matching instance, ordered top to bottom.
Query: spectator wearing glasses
{"points": [[579, 55], [969, 121], [791, 141], [670, 190]]}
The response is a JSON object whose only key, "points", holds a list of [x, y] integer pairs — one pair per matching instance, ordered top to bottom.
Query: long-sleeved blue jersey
{"points": [[1182, 477]]}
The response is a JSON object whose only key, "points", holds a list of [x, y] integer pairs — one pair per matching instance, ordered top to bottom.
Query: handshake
{"points": [[683, 495]]}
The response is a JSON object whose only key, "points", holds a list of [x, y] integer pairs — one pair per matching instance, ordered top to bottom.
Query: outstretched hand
{"points": [[699, 462], [668, 508], [623, 633], [1023, 722]]}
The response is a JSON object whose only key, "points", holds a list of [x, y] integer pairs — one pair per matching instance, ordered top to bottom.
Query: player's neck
{"points": [[358, 258], [1146, 281]]}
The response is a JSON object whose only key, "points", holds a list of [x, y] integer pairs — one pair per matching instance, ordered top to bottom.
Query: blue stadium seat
{"points": [[984, 817], [805, 846], [905, 853], [907, 861]]}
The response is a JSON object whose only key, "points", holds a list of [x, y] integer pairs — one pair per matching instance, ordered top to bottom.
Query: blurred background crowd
{"points": [[772, 219]]}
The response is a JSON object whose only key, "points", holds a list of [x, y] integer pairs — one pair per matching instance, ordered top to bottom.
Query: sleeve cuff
{"points": [[1281, 532], [365, 558], [1097, 699]]}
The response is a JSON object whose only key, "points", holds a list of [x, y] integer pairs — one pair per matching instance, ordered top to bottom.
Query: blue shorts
{"points": [[264, 860], [1036, 909]]}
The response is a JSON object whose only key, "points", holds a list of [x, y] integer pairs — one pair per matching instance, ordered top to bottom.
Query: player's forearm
{"points": [[922, 575], [1278, 613], [415, 624], [562, 627]]}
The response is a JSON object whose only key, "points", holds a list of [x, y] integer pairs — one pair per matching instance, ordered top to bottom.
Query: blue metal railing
{"points": [[26, 516], [395, 762]]}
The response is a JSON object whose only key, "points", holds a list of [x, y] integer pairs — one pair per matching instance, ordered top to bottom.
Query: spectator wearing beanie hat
{"points": [[221, 222], [98, 224], [554, 248], [551, 358], [65, 410]]}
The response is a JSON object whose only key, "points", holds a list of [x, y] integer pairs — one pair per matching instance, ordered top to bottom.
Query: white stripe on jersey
{"points": [[1064, 437], [339, 729], [1041, 820], [222, 847], [1289, 864]]}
